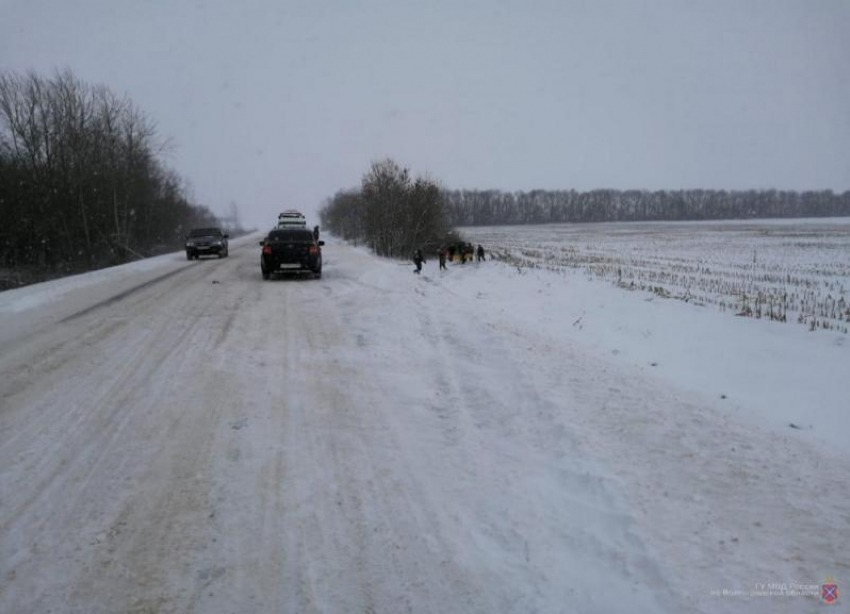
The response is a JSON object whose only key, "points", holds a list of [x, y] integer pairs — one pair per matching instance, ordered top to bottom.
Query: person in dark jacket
{"points": [[316, 233], [480, 253], [443, 254], [418, 260]]}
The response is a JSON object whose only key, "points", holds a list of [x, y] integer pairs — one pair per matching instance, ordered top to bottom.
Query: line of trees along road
{"points": [[82, 183], [492, 207], [394, 214]]}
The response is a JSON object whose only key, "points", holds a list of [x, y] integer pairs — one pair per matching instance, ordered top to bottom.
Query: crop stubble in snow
{"points": [[796, 270]]}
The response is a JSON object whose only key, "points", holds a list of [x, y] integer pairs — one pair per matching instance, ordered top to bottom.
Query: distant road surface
{"points": [[185, 437]]}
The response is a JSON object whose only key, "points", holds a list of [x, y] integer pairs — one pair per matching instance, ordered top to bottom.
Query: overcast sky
{"points": [[278, 104]]}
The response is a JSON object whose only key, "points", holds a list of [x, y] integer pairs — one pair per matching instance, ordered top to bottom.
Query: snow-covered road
{"points": [[184, 437]]}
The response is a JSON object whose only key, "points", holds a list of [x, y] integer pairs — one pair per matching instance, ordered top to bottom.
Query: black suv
{"points": [[206, 241], [291, 250]]}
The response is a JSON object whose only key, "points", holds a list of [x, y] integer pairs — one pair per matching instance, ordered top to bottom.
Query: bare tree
{"points": [[82, 179], [391, 213]]}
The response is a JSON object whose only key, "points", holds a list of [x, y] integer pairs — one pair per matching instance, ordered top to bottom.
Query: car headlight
{"points": [[216, 242], [190, 244]]}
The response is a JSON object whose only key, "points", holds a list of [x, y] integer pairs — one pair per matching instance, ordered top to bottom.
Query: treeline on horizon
{"points": [[82, 180], [493, 207], [394, 214]]}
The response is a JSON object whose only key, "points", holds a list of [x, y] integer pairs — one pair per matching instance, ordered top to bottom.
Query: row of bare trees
{"points": [[82, 182], [492, 207], [392, 213]]}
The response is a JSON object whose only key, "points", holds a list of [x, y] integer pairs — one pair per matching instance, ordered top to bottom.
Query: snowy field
{"points": [[782, 270], [185, 437]]}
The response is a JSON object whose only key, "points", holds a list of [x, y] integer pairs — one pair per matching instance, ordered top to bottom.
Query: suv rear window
{"points": [[301, 236]]}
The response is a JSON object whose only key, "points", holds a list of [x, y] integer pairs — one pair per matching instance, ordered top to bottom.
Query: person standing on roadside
{"points": [[480, 253], [443, 259], [418, 260]]}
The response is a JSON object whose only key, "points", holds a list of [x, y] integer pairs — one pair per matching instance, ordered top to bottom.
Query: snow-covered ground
{"points": [[791, 270], [185, 437]]}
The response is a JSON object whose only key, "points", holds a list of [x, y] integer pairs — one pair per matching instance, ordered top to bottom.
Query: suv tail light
{"points": [[267, 249], [314, 250]]}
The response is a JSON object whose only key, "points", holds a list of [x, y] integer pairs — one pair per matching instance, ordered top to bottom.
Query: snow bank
{"points": [[42, 294], [757, 371]]}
